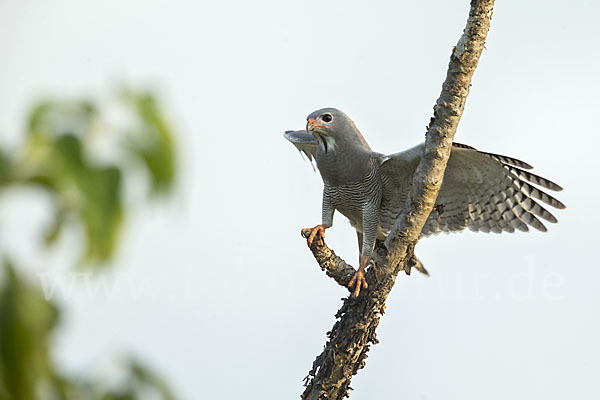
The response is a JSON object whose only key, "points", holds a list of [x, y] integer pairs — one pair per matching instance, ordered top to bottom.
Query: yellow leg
{"points": [[359, 277]]}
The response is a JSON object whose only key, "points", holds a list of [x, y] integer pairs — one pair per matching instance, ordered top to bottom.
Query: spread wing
{"points": [[484, 192]]}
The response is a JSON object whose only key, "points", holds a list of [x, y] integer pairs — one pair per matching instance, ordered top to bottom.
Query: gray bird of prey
{"points": [[484, 192]]}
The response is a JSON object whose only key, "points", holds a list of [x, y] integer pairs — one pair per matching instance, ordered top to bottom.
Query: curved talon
{"points": [[319, 231], [359, 277], [359, 280]]}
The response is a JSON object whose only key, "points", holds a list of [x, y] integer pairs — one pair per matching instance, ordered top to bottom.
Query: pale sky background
{"points": [[217, 290]]}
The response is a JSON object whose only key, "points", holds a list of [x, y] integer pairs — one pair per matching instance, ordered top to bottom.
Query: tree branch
{"points": [[329, 262], [354, 331]]}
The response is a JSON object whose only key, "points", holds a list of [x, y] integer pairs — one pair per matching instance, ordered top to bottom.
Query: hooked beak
{"points": [[311, 126]]}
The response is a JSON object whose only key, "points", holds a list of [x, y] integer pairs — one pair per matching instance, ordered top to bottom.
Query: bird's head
{"points": [[326, 122], [331, 127]]}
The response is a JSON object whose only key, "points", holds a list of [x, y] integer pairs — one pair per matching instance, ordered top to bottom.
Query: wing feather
{"points": [[484, 192]]}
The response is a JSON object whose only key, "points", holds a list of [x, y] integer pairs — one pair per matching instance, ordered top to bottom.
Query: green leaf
{"points": [[152, 141], [5, 168], [100, 198], [26, 319]]}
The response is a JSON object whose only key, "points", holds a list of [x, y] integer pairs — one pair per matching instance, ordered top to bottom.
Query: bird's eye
{"points": [[327, 117]]}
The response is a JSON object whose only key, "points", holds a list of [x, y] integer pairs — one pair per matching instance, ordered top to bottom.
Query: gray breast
{"points": [[354, 198]]}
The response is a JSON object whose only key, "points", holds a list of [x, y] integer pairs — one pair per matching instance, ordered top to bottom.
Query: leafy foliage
{"points": [[153, 141], [58, 156], [26, 320], [27, 371]]}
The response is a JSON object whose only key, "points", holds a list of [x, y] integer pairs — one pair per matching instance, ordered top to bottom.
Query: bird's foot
{"points": [[317, 232], [358, 280]]}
